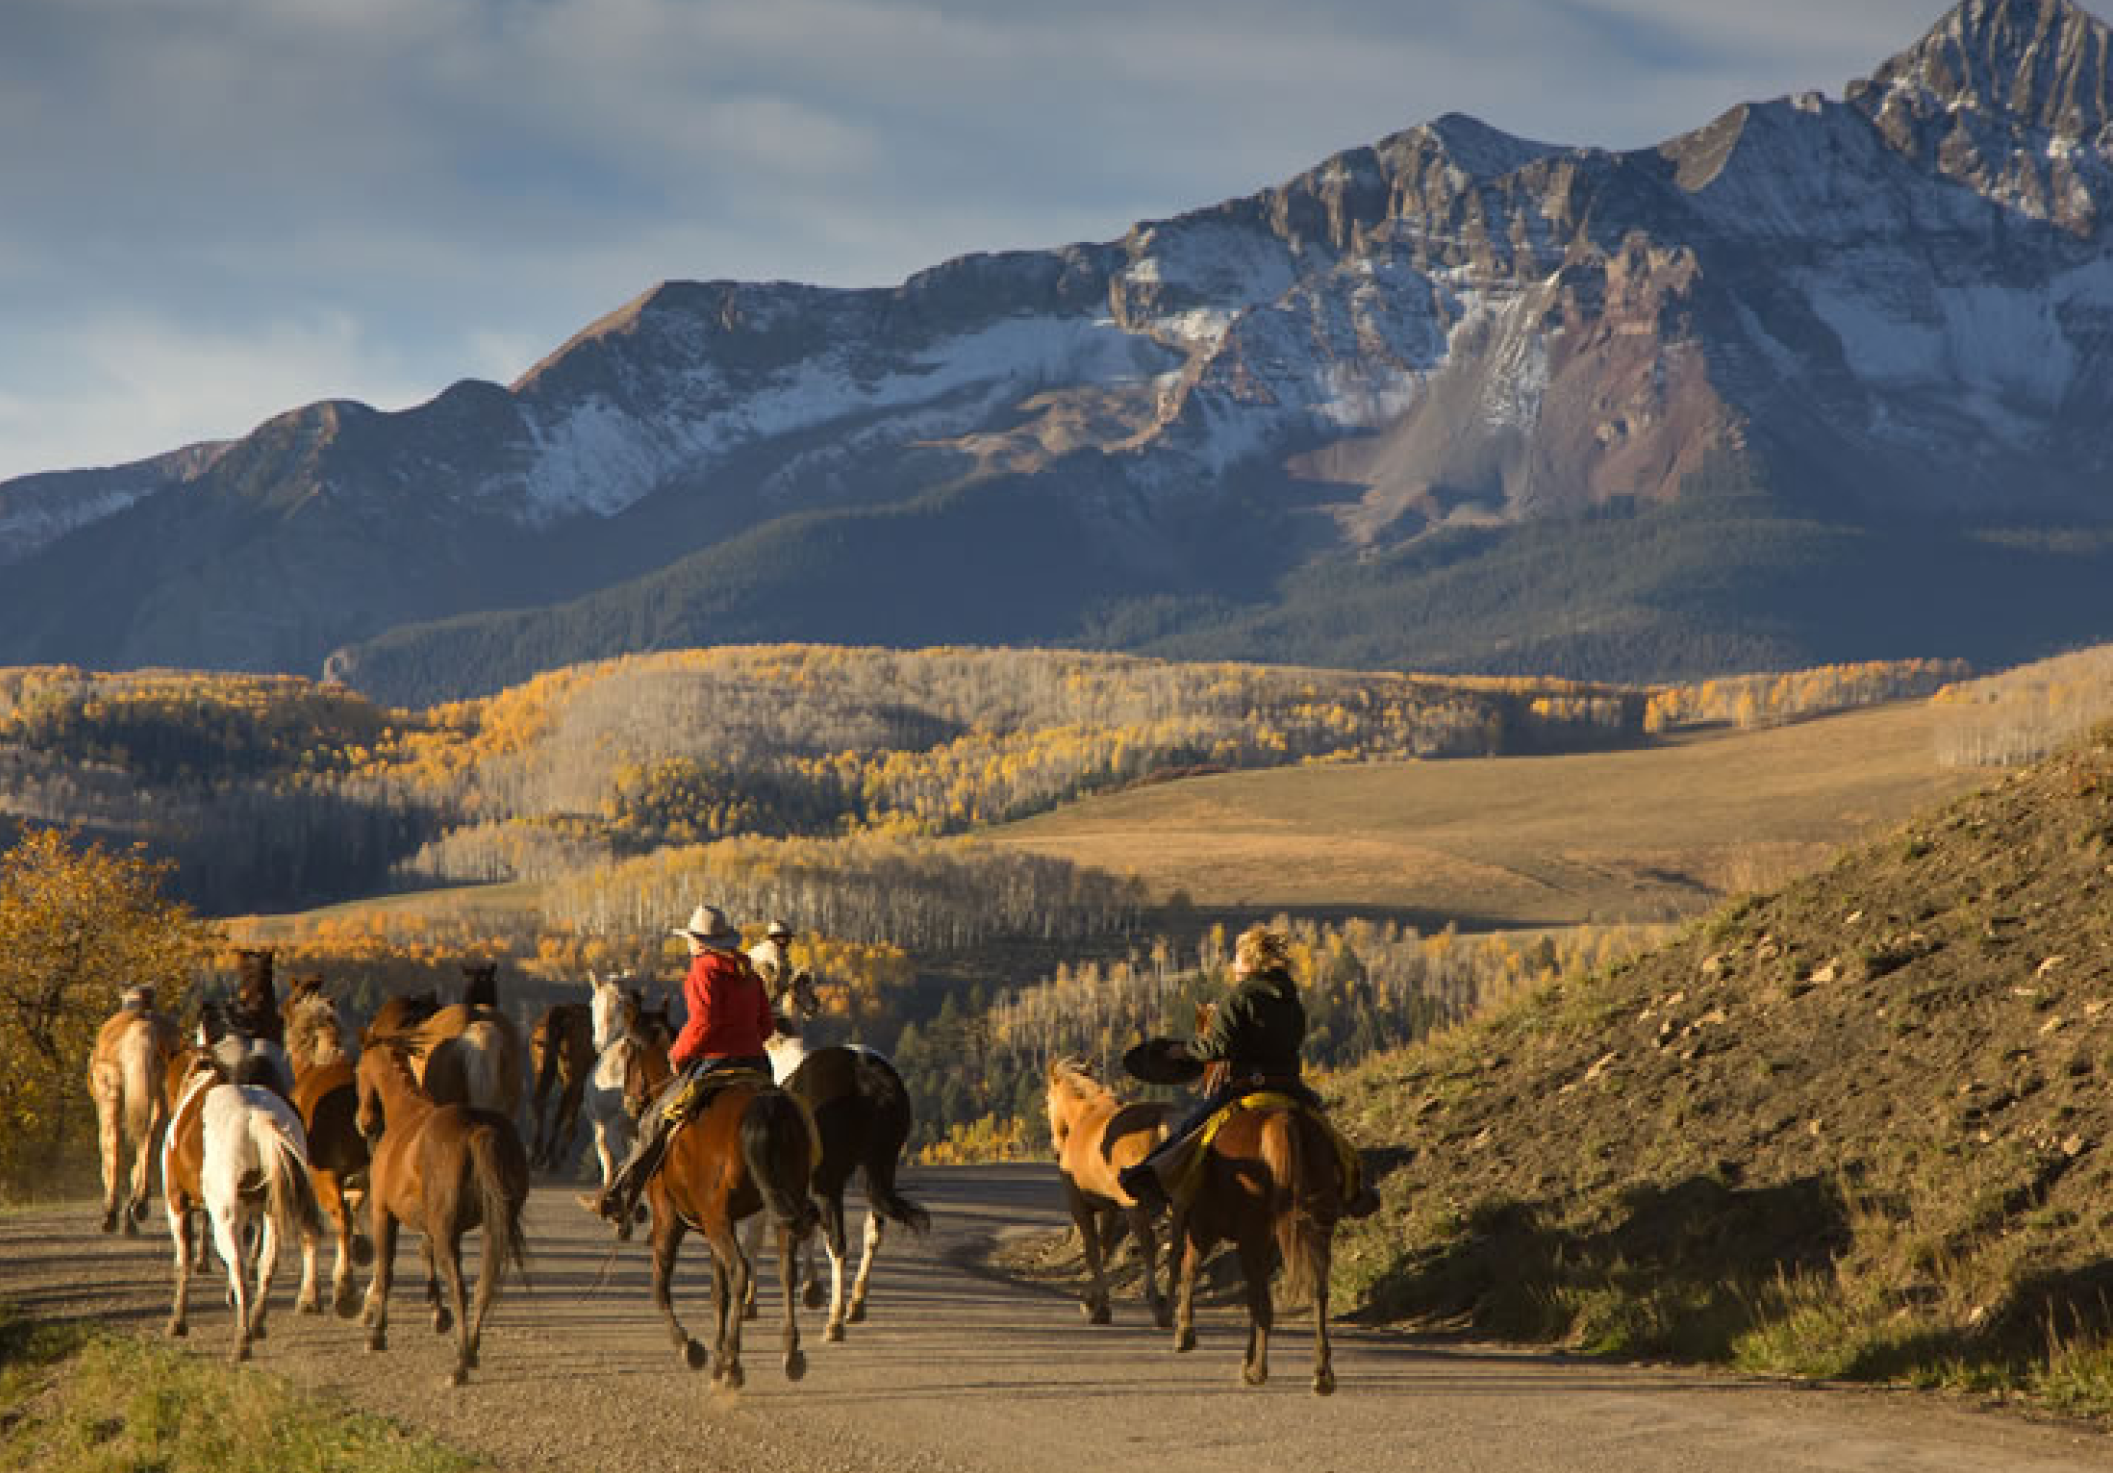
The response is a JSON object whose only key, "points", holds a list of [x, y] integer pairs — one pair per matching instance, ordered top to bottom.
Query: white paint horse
{"points": [[623, 1031], [251, 1170]]}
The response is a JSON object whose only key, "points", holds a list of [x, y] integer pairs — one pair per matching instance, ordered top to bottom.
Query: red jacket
{"points": [[729, 1012]]}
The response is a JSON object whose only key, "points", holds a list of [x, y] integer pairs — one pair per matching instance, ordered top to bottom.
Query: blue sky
{"points": [[215, 210]]}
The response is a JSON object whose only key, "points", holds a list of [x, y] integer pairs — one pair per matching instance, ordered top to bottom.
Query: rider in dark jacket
{"points": [[1256, 1032]]}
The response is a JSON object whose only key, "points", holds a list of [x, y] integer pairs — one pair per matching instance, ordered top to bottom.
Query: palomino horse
{"points": [[464, 1053], [128, 1078], [326, 1097], [862, 1112], [1096, 1135], [748, 1148], [444, 1169], [1271, 1183]]}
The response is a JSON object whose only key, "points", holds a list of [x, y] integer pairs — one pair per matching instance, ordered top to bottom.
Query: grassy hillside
{"points": [[1643, 834], [1860, 1127]]}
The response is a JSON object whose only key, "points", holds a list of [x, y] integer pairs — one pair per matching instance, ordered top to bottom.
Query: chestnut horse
{"points": [[128, 1078], [326, 1097], [1096, 1135], [748, 1148], [444, 1169], [1270, 1182]]}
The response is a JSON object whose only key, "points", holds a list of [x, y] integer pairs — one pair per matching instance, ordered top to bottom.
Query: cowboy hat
{"points": [[709, 927], [778, 931]]}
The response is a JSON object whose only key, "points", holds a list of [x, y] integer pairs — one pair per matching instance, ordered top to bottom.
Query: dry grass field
{"points": [[1640, 835]]}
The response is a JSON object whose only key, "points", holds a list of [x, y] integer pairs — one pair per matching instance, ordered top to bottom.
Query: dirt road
{"points": [[957, 1369]]}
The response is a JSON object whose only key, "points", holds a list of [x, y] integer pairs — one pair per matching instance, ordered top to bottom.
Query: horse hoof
{"points": [[110, 1221], [811, 1296], [313, 1304], [345, 1306], [748, 1311], [857, 1313], [1096, 1314], [1162, 1316], [443, 1321], [178, 1329], [259, 1331], [834, 1334], [378, 1340], [1184, 1340], [241, 1353], [693, 1356], [795, 1366], [1255, 1375], [459, 1376], [731, 1378], [1324, 1383]]}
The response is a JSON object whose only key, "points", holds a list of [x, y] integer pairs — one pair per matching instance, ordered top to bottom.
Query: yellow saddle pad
{"points": [[1187, 1175]]}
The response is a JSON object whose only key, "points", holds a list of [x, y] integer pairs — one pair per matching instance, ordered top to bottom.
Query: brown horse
{"points": [[255, 1010], [561, 1055], [128, 1080], [326, 1096], [1096, 1135], [750, 1147], [444, 1169], [1271, 1184]]}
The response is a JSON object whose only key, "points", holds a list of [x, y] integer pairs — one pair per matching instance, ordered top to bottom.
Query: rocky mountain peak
{"points": [[2038, 61]]}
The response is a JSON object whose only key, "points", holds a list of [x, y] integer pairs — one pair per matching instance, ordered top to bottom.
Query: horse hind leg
{"points": [[110, 1148], [180, 1235], [1146, 1238], [833, 1244], [869, 1248], [449, 1255], [1257, 1262], [1094, 1304], [443, 1317], [795, 1360]]}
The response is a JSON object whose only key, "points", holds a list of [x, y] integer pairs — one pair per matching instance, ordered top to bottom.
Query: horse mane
{"points": [[313, 1023], [1074, 1078]]}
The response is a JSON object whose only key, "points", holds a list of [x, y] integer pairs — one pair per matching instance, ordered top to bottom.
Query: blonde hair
{"points": [[1260, 949]]}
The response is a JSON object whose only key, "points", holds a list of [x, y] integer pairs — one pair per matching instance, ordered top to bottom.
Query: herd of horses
{"points": [[270, 1124]]}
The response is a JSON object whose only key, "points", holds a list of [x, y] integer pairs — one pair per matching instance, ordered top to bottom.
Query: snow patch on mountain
{"points": [[598, 458]]}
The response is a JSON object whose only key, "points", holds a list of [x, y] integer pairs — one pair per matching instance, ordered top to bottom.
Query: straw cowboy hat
{"points": [[709, 927], [778, 931]]}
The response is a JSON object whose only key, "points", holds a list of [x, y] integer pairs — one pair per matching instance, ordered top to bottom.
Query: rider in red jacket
{"points": [[729, 1020]]}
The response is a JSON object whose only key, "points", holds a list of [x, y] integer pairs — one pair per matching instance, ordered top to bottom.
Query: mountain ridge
{"points": [[1896, 305]]}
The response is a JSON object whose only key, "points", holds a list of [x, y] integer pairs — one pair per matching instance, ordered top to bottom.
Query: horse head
{"points": [[480, 984], [607, 1008]]}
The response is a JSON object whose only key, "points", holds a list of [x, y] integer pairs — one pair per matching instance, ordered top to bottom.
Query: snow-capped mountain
{"points": [[1895, 303]]}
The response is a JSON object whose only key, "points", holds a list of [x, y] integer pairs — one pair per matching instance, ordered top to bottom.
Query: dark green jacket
{"points": [[1258, 1029]]}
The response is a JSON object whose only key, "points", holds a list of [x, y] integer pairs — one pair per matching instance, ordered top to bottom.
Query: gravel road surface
{"points": [[957, 1368]]}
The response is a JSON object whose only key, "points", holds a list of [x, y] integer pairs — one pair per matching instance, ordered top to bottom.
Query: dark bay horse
{"points": [[255, 1010], [561, 1056], [326, 1096], [1096, 1135], [748, 1149], [443, 1169], [1271, 1184]]}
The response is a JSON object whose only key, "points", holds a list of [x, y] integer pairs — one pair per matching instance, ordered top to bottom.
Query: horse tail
{"points": [[480, 1047], [140, 1094], [889, 1101], [780, 1156], [500, 1169], [289, 1189], [1302, 1239]]}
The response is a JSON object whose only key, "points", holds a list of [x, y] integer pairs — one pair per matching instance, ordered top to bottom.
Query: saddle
{"points": [[697, 1092], [1183, 1172]]}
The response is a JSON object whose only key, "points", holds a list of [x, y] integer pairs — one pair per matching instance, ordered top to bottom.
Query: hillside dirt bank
{"points": [[960, 1368]]}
